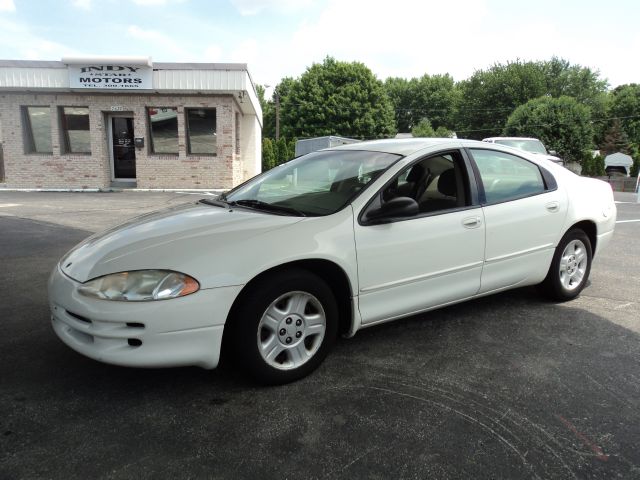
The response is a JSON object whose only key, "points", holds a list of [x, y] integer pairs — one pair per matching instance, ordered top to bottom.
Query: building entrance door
{"points": [[123, 150]]}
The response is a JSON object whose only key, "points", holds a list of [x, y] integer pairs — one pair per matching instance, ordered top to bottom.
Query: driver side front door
{"points": [[434, 258]]}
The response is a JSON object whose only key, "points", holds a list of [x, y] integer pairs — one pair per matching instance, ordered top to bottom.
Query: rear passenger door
{"points": [[524, 213]]}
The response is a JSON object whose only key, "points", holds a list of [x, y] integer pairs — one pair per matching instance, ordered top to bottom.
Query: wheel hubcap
{"points": [[573, 265], [291, 330]]}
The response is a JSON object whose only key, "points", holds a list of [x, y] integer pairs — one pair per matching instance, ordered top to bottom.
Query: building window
{"points": [[36, 122], [163, 126], [75, 130], [201, 131], [237, 133]]}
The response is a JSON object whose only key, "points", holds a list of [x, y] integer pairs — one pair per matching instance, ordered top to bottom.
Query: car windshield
{"points": [[528, 145], [316, 184]]}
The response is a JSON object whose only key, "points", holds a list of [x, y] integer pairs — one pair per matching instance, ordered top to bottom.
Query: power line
{"points": [[429, 110], [607, 119]]}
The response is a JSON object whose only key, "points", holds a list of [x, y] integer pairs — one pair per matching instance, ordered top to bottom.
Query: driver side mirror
{"points": [[553, 153], [399, 207]]}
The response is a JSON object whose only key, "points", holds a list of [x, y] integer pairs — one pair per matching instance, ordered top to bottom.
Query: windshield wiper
{"points": [[215, 202], [260, 205]]}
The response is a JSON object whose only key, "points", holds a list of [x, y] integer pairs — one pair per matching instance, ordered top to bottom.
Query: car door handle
{"points": [[553, 206], [471, 222]]}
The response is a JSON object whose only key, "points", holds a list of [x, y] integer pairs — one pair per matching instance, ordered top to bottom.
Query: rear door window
{"points": [[507, 177]]}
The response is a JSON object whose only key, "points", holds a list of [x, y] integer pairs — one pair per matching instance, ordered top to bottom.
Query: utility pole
{"points": [[277, 116]]}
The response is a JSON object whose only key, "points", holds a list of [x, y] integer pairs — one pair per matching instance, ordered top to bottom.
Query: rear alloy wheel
{"points": [[573, 265], [570, 267], [285, 326]]}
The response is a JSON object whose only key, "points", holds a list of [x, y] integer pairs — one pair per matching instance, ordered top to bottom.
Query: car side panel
{"points": [[592, 200], [326, 238], [521, 238], [412, 265]]}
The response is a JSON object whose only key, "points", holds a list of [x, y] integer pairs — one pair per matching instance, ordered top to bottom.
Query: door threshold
{"points": [[124, 184]]}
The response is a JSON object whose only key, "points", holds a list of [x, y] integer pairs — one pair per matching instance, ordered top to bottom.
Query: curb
{"points": [[211, 191]]}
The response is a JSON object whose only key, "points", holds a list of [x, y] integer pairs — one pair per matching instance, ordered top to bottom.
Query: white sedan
{"points": [[327, 244]]}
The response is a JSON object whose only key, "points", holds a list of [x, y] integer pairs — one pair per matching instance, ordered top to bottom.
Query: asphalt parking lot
{"points": [[508, 386]]}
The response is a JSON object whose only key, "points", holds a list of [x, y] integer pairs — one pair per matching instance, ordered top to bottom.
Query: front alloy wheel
{"points": [[283, 326], [291, 330]]}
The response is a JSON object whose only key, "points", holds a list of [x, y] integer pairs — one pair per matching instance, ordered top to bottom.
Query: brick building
{"points": [[103, 122]]}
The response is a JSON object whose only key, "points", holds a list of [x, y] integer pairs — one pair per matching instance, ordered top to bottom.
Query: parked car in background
{"points": [[308, 145], [531, 145], [616, 171], [326, 244]]}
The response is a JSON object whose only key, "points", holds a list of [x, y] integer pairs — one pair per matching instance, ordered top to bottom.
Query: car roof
{"points": [[509, 138], [403, 146], [409, 146]]}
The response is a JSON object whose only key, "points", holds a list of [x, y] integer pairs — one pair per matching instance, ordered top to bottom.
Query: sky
{"points": [[278, 38]]}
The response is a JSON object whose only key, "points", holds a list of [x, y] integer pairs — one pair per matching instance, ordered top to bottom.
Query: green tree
{"points": [[581, 83], [400, 91], [260, 93], [280, 93], [431, 97], [488, 97], [337, 98], [434, 98], [625, 105], [269, 109], [600, 111], [268, 113], [562, 124], [423, 129], [443, 132], [615, 140], [291, 148], [282, 150], [275, 152], [268, 155], [635, 155], [587, 164], [593, 166], [598, 166], [635, 168]]}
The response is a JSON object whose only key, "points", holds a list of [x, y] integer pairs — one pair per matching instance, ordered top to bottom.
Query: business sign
{"points": [[112, 77]]}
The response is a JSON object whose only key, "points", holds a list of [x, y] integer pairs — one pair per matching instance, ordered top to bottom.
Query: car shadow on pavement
{"points": [[506, 386]]}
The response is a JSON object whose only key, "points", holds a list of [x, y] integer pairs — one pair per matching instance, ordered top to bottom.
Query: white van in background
{"points": [[532, 145]]}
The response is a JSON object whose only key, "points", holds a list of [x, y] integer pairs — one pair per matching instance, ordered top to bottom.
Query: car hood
{"points": [[182, 238]]}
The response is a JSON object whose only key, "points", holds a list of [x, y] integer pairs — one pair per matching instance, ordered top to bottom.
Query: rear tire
{"points": [[570, 267], [284, 326]]}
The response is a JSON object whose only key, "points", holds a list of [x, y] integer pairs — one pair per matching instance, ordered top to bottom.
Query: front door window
{"points": [[124, 151]]}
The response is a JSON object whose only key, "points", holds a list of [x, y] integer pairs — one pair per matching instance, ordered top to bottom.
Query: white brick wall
{"points": [[251, 145], [59, 170]]}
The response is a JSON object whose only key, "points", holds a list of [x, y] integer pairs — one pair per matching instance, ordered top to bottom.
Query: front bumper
{"points": [[167, 333]]}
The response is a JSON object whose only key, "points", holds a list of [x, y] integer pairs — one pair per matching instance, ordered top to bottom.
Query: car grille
{"points": [[78, 317], [105, 334]]}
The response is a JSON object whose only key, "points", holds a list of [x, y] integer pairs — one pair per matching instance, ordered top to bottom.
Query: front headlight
{"points": [[140, 286]]}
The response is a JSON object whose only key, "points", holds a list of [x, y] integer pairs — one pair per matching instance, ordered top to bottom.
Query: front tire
{"points": [[570, 267], [284, 326]]}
